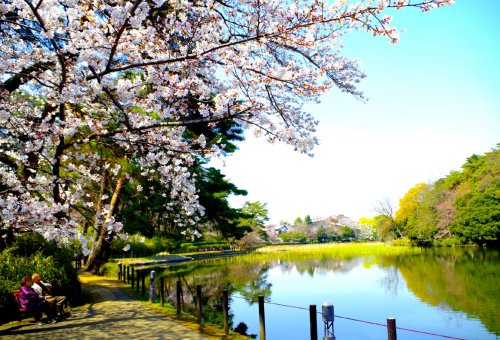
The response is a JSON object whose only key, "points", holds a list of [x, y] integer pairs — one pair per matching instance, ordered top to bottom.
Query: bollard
{"points": [[119, 271], [128, 274], [152, 277], [198, 297], [179, 303], [225, 310], [262, 318], [328, 319], [313, 322], [391, 329]]}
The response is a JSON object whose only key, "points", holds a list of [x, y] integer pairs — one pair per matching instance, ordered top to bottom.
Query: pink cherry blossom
{"points": [[89, 85]]}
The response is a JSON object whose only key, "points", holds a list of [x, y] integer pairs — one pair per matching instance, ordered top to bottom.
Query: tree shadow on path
{"points": [[112, 314]]}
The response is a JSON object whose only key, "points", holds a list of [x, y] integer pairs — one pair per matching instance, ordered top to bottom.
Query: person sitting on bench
{"points": [[43, 289], [31, 301]]}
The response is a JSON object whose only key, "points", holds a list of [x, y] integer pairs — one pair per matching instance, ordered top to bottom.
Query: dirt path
{"points": [[111, 315]]}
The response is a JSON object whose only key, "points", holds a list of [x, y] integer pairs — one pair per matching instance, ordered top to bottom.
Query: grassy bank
{"points": [[342, 251]]}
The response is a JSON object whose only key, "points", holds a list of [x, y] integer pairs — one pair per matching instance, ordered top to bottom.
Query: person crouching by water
{"points": [[44, 290], [31, 301]]}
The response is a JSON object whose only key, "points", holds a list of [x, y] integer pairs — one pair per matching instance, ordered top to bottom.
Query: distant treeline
{"points": [[461, 208]]}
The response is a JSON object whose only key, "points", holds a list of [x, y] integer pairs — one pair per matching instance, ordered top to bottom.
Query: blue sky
{"points": [[434, 100]]}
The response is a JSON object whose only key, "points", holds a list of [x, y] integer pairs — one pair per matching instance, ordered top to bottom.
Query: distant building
{"points": [[334, 221], [280, 229]]}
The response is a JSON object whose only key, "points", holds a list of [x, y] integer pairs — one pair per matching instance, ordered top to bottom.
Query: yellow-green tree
{"points": [[408, 205], [463, 206]]}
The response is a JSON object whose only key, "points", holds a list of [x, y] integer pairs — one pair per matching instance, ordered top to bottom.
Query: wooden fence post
{"points": [[119, 271], [128, 274], [138, 275], [132, 278], [143, 279], [162, 291], [179, 293], [198, 295], [225, 310], [262, 318], [313, 320], [391, 329]]}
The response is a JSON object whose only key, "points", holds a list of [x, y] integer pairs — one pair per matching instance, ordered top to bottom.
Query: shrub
{"points": [[402, 242], [447, 242], [140, 246], [204, 246], [31, 253]]}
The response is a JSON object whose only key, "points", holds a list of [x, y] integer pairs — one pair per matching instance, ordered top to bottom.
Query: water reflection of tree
{"points": [[323, 266], [246, 279], [462, 279], [390, 281], [256, 286]]}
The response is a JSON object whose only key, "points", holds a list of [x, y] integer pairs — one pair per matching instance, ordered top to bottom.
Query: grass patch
{"points": [[343, 251]]}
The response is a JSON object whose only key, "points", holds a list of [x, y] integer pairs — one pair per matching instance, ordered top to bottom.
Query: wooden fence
{"points": [[137, 279]]}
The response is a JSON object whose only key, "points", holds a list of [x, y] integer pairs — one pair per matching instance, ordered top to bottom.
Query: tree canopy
{"points": [[94, 95], [464, 205]]}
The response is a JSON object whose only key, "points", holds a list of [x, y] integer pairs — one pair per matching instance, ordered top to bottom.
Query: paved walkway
{"points": [[111, 315]]}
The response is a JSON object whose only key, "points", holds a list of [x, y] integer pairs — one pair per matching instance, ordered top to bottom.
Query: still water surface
{"points": [[452, 292]]}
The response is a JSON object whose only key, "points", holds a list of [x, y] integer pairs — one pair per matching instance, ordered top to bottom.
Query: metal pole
{"points": [[225, 309], [262, 318], [313, 320], [391, 329]]}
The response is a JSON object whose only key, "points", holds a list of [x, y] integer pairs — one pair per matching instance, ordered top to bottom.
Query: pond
{"points": [[450, 292]]}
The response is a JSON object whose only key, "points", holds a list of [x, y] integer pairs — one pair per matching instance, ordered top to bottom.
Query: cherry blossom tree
{"points": [[90, 88]]}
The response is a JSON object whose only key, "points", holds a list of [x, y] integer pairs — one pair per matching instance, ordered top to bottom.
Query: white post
{"points": [[328, 318]]}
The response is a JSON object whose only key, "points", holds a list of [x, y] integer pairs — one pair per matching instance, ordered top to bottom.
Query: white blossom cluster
{"points": [[87, 84]]}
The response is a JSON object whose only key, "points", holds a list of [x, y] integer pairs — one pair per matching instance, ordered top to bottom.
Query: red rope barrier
{"points": [[359, 320], [401, 328], [429, 333]]}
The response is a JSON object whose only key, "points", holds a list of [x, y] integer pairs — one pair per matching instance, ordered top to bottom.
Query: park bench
{"points": [[21, 312]]}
